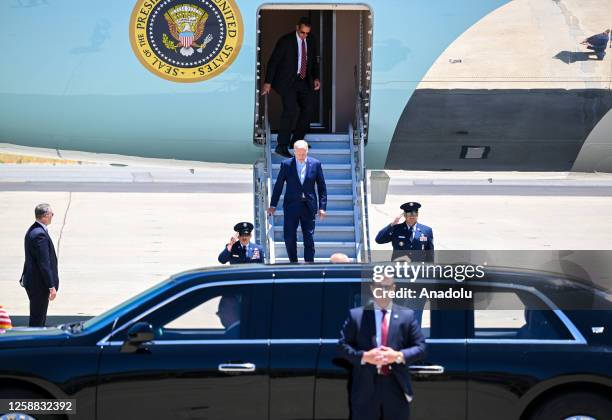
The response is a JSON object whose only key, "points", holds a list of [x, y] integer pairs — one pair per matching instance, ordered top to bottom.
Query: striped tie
{"points": [[303, 62]]}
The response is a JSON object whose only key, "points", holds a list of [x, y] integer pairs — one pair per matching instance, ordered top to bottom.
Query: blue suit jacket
{"points": [[295, 190], [40, 267], [358, 335]]}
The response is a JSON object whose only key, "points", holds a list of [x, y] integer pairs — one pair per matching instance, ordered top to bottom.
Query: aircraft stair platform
{"points": [[345, 227]]}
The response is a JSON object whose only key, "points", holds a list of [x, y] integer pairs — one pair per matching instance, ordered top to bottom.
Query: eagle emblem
{"points": [[186, 24]]}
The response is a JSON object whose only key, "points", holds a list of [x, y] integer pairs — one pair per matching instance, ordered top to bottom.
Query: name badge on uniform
{"points": [[402, 237], [423, 238], [235, 256]]}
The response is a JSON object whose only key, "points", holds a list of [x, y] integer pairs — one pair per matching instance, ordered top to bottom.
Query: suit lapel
{"points": [[294, 49], [308, 170], [369, 324], [393, 326]]}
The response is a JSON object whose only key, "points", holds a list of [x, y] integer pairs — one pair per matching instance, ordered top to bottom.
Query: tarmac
{"points": [[121, 229]]}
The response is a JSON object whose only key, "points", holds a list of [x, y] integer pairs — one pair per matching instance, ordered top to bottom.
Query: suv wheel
{"points": [[574, 406]]}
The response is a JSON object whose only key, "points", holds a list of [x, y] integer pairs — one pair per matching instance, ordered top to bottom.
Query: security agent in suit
{"points": [[293, 72], [300, 205], [410, 238], [240, 249], [39, 276], [381, 340]]}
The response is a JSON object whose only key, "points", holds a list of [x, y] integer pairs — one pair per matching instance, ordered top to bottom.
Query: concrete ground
{"points": [[119, 230]]}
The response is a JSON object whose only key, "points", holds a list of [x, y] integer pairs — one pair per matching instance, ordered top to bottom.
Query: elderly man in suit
{"points": [[293, 72], [300, 204], [39, 276], [381, 340]]}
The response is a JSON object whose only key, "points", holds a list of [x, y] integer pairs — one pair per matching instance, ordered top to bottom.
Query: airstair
{"points": [[345, 227]]}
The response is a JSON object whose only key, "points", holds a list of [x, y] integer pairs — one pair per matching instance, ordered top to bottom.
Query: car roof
{"points": [[542, 280]]}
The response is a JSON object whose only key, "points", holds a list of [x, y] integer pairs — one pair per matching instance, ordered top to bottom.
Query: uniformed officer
{"points": [[409, 238], [240, 249]]}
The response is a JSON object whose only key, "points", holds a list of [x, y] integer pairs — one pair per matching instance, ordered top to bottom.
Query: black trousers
{"points": [[298, 95], [39, 302], [389, 402]]}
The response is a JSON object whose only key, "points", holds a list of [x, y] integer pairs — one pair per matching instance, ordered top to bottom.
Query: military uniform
{"points": [[416, 242], [239, 254]]}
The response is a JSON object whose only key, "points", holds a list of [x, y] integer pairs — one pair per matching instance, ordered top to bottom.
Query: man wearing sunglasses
{"points": [[293, 72], [408, 238], [240, 249], [39, 276], [381, 340]]}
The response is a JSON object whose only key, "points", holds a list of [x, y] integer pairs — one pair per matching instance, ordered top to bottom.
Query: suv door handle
{"points": [[237, 367], [427, 369]]}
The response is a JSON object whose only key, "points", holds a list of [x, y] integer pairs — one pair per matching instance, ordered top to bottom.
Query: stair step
{"points": [[315, 138], [330, 151], [328, 167], [333, 197], [329, 213], [332, 218], [320, 227], [320, 244], [322, 249], [285, 260]]}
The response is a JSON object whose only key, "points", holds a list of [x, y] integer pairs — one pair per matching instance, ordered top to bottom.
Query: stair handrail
{"points": [[358, 140], [269, 221]]}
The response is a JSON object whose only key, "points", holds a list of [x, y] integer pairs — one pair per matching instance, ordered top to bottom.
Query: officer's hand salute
{"points": [[397, 219], [232, 241]]}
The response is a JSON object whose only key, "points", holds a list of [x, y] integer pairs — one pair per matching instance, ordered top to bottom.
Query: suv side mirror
{"points": [[139, 333]]}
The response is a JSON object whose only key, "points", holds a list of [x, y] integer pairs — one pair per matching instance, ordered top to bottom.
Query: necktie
{"points": [[303, 61], [384, 334]]}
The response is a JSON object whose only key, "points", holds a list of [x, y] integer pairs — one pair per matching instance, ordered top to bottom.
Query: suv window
{"points": [[341, 297], [297, 310], [228, 312], [504, 315]]}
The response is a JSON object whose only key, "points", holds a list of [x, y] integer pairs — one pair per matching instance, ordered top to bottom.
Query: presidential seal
{"points": [[186, 41]]}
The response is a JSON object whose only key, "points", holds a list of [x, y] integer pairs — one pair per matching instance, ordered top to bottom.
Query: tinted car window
{"points": [[341, 297], [297, 310], [220, 312], [510, 318]]}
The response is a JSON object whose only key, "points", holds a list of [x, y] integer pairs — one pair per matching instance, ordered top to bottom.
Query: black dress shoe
{"points": [[283, 151]]}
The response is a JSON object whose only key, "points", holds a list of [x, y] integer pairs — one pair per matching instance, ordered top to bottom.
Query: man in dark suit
{"points": [[293, 71], [300, 205], [240, 249], [39, 276], [381, 340]]}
